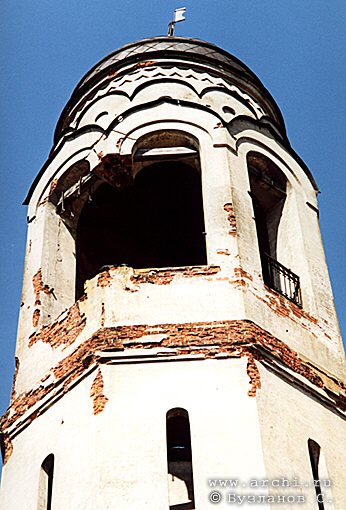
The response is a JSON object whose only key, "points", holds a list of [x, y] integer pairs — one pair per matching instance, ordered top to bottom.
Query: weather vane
{"points": [[178, 15]]}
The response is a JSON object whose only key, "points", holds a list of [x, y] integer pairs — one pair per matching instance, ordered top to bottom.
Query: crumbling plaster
{"points": [[225, 184], [299, 245], [206, 339], [111, 365], [140, 384], [141, 394]]}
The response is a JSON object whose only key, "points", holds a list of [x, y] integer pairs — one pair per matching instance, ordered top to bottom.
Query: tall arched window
{"points": [[268, 192], [143, 210], [155, 220], [179, 460], [46, 484]]}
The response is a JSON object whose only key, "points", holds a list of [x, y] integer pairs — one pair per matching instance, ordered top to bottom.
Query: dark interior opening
{"points": [[268, 193], [157, 221], [314, 453], [179, 455], [48, 468]]}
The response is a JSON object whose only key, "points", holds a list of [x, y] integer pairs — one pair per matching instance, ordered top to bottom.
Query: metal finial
{"points": [[178, 15]]}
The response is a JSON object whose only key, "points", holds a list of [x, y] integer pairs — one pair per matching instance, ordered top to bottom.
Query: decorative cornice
{"points": [[171, 343]]}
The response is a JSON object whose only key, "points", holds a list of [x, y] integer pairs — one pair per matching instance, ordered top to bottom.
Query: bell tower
{"points": [[177, 326]]}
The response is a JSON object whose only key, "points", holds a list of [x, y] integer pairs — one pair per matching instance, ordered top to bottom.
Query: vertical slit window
{"points": [[315, 452], [179, 460], [46, 484]]}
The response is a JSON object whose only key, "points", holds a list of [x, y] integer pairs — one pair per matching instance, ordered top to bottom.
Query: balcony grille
{"points": [[281, 279]]}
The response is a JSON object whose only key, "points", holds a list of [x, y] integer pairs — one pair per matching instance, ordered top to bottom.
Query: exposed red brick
{"points": [[145, 64], [115, 169], [53, 185], [231, 219], [223, 252], [240, 273], [155, 276], [165, 276], [241, 277], [104, 279], [238, 283], [39, 287], [282, 307], [36, 317], [63, 331], [225, 334], [231, 338], [82, 357], [253, 373], [96, 393], [22, 403], [8, 448]]}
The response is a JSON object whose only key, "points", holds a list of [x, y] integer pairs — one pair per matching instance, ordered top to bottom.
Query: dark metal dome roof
{"points": [[167, 44], [163, 47]]}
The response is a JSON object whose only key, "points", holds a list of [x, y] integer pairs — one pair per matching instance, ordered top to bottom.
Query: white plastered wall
{"points": [[299, 248], [288, 419], [118, 458]]}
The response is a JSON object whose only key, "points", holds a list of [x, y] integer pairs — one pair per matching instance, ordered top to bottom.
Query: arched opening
{"points": [[268, 192], [143, 210], [157, 220], [170, 227], [179, 460], [46, 484]]}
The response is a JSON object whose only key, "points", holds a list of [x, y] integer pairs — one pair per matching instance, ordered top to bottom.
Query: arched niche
{"points": [[268, 191], [46, 483]]}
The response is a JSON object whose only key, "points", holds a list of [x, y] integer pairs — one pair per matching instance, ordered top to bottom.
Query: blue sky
{"points": [[297, 49]]}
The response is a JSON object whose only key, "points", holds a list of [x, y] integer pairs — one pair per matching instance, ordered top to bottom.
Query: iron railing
{"points": [[281, 279]]}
